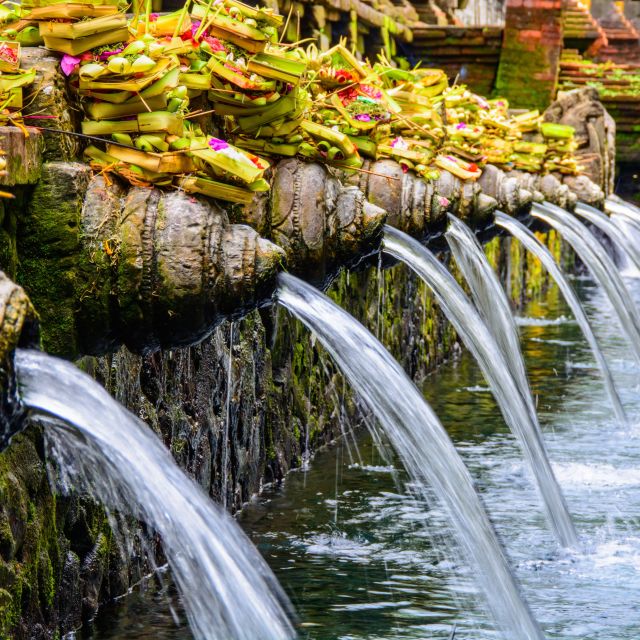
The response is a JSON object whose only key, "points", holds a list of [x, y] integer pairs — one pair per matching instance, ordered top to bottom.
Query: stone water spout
{"points": [[547, 186], [417, 206], [322, 224], [160, 269], [18, 328]]}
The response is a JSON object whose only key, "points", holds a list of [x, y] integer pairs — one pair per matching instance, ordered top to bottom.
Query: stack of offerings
{"points": [[74, 29], [13, 80], [254, 83], [258, 86], [135, 94], [417, 127], [502, 138], [561, 146], [463, 151]]}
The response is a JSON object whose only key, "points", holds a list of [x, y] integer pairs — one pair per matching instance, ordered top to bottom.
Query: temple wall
{"points": [[58, 556]]}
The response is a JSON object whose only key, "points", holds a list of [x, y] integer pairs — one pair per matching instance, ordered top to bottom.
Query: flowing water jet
{"points": [[614, 201], [607, 226], [534, 246], [599, 264], [493, 306], [479, 340], [417, 435], [227, 589]]}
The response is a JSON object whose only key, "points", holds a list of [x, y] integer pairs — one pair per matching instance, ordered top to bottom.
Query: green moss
{"points": [[518, 74]]}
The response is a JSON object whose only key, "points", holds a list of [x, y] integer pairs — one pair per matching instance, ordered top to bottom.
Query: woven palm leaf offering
{"points": [[16, 26], [13, 80], [135, 90], [417, 130], [561, 145]]}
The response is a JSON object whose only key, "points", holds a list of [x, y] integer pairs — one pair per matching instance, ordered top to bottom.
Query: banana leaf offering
{"points": [[13, 80], [561, 145], [529, 156]]}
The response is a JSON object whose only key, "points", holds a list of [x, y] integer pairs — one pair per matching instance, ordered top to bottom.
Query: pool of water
{"points": [[361, 559]]}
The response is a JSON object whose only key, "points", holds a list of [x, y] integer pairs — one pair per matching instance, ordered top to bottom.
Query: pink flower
{"points": [[153, 17], [195, 25], [214, 43], [69, 64], [363, 117], [218, 145], [444, 202]]}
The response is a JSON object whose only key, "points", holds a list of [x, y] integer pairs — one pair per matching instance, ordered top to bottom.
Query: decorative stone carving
{"points": [[595, 133], [18, 327]]}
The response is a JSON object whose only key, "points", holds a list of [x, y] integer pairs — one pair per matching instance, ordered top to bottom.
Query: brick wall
{"points": [[529, 62]]}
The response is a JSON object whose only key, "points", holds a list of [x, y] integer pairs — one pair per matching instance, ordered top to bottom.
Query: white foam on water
{"points": [[527, 321], [596, 475]]}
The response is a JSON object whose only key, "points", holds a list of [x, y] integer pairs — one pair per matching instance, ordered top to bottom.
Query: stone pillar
{"points": [[529, 62]]}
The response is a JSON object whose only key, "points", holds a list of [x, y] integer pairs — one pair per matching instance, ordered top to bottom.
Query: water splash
{"points": [[534, 246], [599, 264], [485, 349], [419, 438], [227, 589]]}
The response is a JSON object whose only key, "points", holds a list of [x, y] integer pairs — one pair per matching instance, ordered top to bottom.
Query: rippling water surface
{"points": [[348, 542]]}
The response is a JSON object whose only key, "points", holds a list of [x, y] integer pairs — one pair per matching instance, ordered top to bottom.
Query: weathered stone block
{"points": [[48, 97], [23, 155]]}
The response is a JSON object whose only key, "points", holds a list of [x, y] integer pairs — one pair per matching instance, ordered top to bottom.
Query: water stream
{"points": [[607, 226], [534, 246], [599, 264], [494, 307], [482, 344], [415, 432], [355, 549], [374, 575], [228, 591]]}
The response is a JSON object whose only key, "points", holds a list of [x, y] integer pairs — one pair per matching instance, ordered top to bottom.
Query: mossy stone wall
{"points": [[58, 559]]}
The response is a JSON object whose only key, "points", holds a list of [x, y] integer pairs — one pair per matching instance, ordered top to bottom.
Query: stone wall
{"points": [[529, 61], [57, 555]]}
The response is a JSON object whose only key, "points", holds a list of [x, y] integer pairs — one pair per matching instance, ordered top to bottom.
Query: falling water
{"points": [[616, 201], [627, 218], [607, 226], [534, 246], [599, 263], [491, 301], [479, 340], [227, 422], [419, 438], [228, 590]]}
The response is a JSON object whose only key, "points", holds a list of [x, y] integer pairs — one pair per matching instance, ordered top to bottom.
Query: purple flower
{"points": [[195, 25], [105, 55], [69, 64], [363, 117], [461, 125], [218, 145]]}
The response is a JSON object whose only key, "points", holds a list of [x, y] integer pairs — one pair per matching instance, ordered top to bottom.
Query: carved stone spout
{"points": [[549, 187], [507, 190], [418, 206], [321, 224], [162, 269], [18, 327]]}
